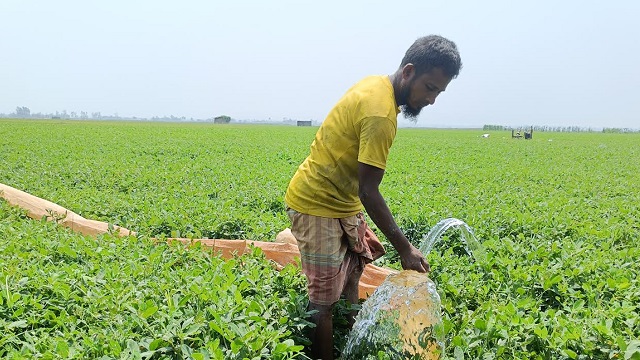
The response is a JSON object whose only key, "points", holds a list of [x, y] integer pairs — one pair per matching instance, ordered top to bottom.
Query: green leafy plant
{"points": [[559, 220], [75, 297]]}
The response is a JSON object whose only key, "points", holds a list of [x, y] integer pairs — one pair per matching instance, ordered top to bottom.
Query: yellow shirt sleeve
{"points": [[376, 137]]}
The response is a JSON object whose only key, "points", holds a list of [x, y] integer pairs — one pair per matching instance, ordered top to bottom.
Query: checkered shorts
{"points": [[331, 252]]}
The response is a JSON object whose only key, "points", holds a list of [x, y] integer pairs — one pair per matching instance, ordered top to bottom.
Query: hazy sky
{"points": [[525, 62]]}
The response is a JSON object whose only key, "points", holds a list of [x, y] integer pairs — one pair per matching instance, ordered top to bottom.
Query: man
{"points": [[343, 173]]}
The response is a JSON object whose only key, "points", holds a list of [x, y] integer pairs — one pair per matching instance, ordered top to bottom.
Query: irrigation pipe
{"points": [[281, 253]]}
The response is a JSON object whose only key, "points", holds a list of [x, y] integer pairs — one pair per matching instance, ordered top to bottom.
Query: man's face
{"points": [[419, 91]]}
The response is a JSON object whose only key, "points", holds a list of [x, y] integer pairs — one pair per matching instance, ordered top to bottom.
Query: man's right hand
{"points": [[368, 189], [413, 260]]}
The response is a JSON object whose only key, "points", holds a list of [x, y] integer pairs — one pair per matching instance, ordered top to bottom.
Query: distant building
{"points": [[303, 122]]}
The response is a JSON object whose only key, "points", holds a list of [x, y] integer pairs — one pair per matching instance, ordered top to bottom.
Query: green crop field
{"points": [[559, 216]]}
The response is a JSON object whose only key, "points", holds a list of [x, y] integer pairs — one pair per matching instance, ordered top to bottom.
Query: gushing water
{"points": [[471, 243], [402, 318]]}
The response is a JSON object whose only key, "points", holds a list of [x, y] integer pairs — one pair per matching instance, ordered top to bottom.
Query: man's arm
{"points": [[370, 178]]}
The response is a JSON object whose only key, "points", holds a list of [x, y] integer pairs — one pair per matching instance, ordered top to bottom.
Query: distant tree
{"points": [[23, 112], [222, 119]]}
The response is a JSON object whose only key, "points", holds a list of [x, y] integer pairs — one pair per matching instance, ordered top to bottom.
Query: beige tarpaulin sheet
{"points": [[281, 253]]}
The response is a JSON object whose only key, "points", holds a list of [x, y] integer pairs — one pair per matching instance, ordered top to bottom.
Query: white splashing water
{"points": [[471, 243], [402, 318]]}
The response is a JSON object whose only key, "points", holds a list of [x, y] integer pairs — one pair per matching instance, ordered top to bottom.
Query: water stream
{"points": [[471, 243], [402, 319]]}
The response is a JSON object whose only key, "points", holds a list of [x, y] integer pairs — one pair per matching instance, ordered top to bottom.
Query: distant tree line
{"points": [[23, 112], [546, 128], [619, 130]]}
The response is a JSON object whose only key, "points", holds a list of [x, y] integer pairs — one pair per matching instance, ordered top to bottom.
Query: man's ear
{"points": [[408, 71]]}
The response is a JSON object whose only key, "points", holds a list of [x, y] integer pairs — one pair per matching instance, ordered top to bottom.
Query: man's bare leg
{"points": [[350, 293], [322, 335]]}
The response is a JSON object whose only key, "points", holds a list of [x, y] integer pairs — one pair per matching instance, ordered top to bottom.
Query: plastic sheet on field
{"points": [[282, 253]]}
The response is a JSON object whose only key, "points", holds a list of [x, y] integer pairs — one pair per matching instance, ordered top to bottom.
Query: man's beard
{"points": [[409, 112]]}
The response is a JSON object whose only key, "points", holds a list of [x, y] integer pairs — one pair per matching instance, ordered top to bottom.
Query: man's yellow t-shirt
{"points": [[360, 128]]}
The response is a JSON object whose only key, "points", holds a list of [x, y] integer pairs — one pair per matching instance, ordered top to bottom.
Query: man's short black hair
{"points": [[433, 51]]}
